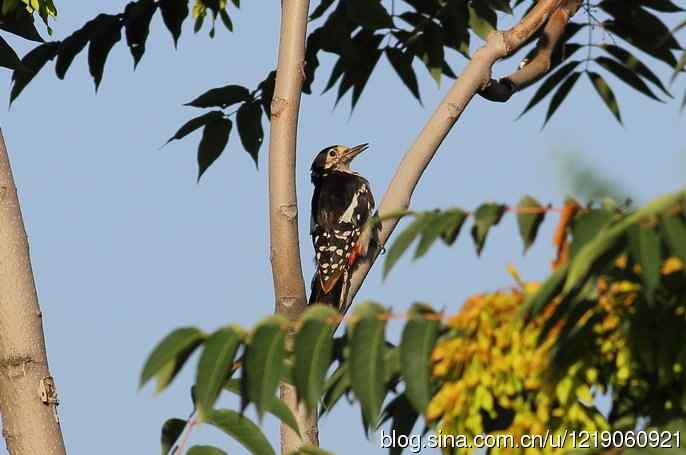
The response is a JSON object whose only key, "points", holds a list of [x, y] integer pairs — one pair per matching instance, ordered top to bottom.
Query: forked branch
{"points": [[540, 64], [475, 78]]}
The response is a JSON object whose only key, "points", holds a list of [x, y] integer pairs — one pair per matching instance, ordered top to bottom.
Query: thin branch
{"points": [[531, 71], [473, 79], [289, 286], [28, 398]]}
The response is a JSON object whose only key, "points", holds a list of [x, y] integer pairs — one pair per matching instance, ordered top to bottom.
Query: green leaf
{"points": [[664, 6], [174, 13], [370, 14], [456, 19], [482, 19], [226, 20], [20, 23], [197, 25], [137, 26], [639, 26], [108, 34], [646, 44], [72, 45], [432, 53], [8, 58], [34, 61], [402, 64], [634, 64], [356, 75], [627, 76], [550, 83], [267, 89], [606, 94], [560, 95], [221, 97], [249, 122], [196, 123], [215, 136], [530, 215], [486, 216], [445, 224], [435, 225], [586, 225], [452, 228], [674, 232], [402, 242], [597, 248], [646, 249], [550, 288], [417, 342], [172, 346], [313, 353], [264, 363], [215, 366], [367, 366], [392, 368], [171, 369], [336, 385], [277, 407], [403, 416], [171, 430], [242, 430], [205, 450]]}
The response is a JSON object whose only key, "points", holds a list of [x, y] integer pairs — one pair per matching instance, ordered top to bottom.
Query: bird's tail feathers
{"points": [[333, 297]]}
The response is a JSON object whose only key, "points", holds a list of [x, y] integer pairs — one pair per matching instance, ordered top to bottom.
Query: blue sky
{"points": [[126, 246]]}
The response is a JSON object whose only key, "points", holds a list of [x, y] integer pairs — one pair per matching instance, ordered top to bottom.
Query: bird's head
{"points": [[336, 158]]}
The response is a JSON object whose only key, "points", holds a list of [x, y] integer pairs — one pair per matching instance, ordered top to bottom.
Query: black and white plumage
{"points": [[341, 205]]}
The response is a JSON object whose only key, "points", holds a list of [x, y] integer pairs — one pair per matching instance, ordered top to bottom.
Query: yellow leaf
{"points": [[672, 265], [592, 375], [563, 390], [583, 392]]}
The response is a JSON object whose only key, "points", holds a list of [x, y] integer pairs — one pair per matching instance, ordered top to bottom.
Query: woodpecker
{"points": [[341, 205]]}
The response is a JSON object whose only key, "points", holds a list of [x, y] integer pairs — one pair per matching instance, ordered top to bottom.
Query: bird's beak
{"points": [[352, 152]]}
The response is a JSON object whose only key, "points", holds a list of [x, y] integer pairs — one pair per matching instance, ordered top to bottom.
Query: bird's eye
{"points": [[332, 153]]}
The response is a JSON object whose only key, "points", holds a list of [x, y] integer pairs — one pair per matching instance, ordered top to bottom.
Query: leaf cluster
{"points": [[16, 18], [640, 25], [103, 32], [358, 33], [217, 123], [446, 225], [521, 361], [361, 365], [498, 373]]}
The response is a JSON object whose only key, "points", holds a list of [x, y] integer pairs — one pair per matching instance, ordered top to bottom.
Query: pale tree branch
{"points": [[540, 64], [475, 77], [289, 286], [28, 400]]}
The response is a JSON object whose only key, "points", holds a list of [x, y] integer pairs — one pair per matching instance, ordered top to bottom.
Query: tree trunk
{"points": [[289, 286], [28, 400]]}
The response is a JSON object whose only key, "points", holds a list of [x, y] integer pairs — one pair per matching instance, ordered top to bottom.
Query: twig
{"points": [[531, 71]]}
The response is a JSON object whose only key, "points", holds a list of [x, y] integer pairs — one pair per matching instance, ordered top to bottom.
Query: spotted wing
{"points": [[341, 207], [333, 249]]}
